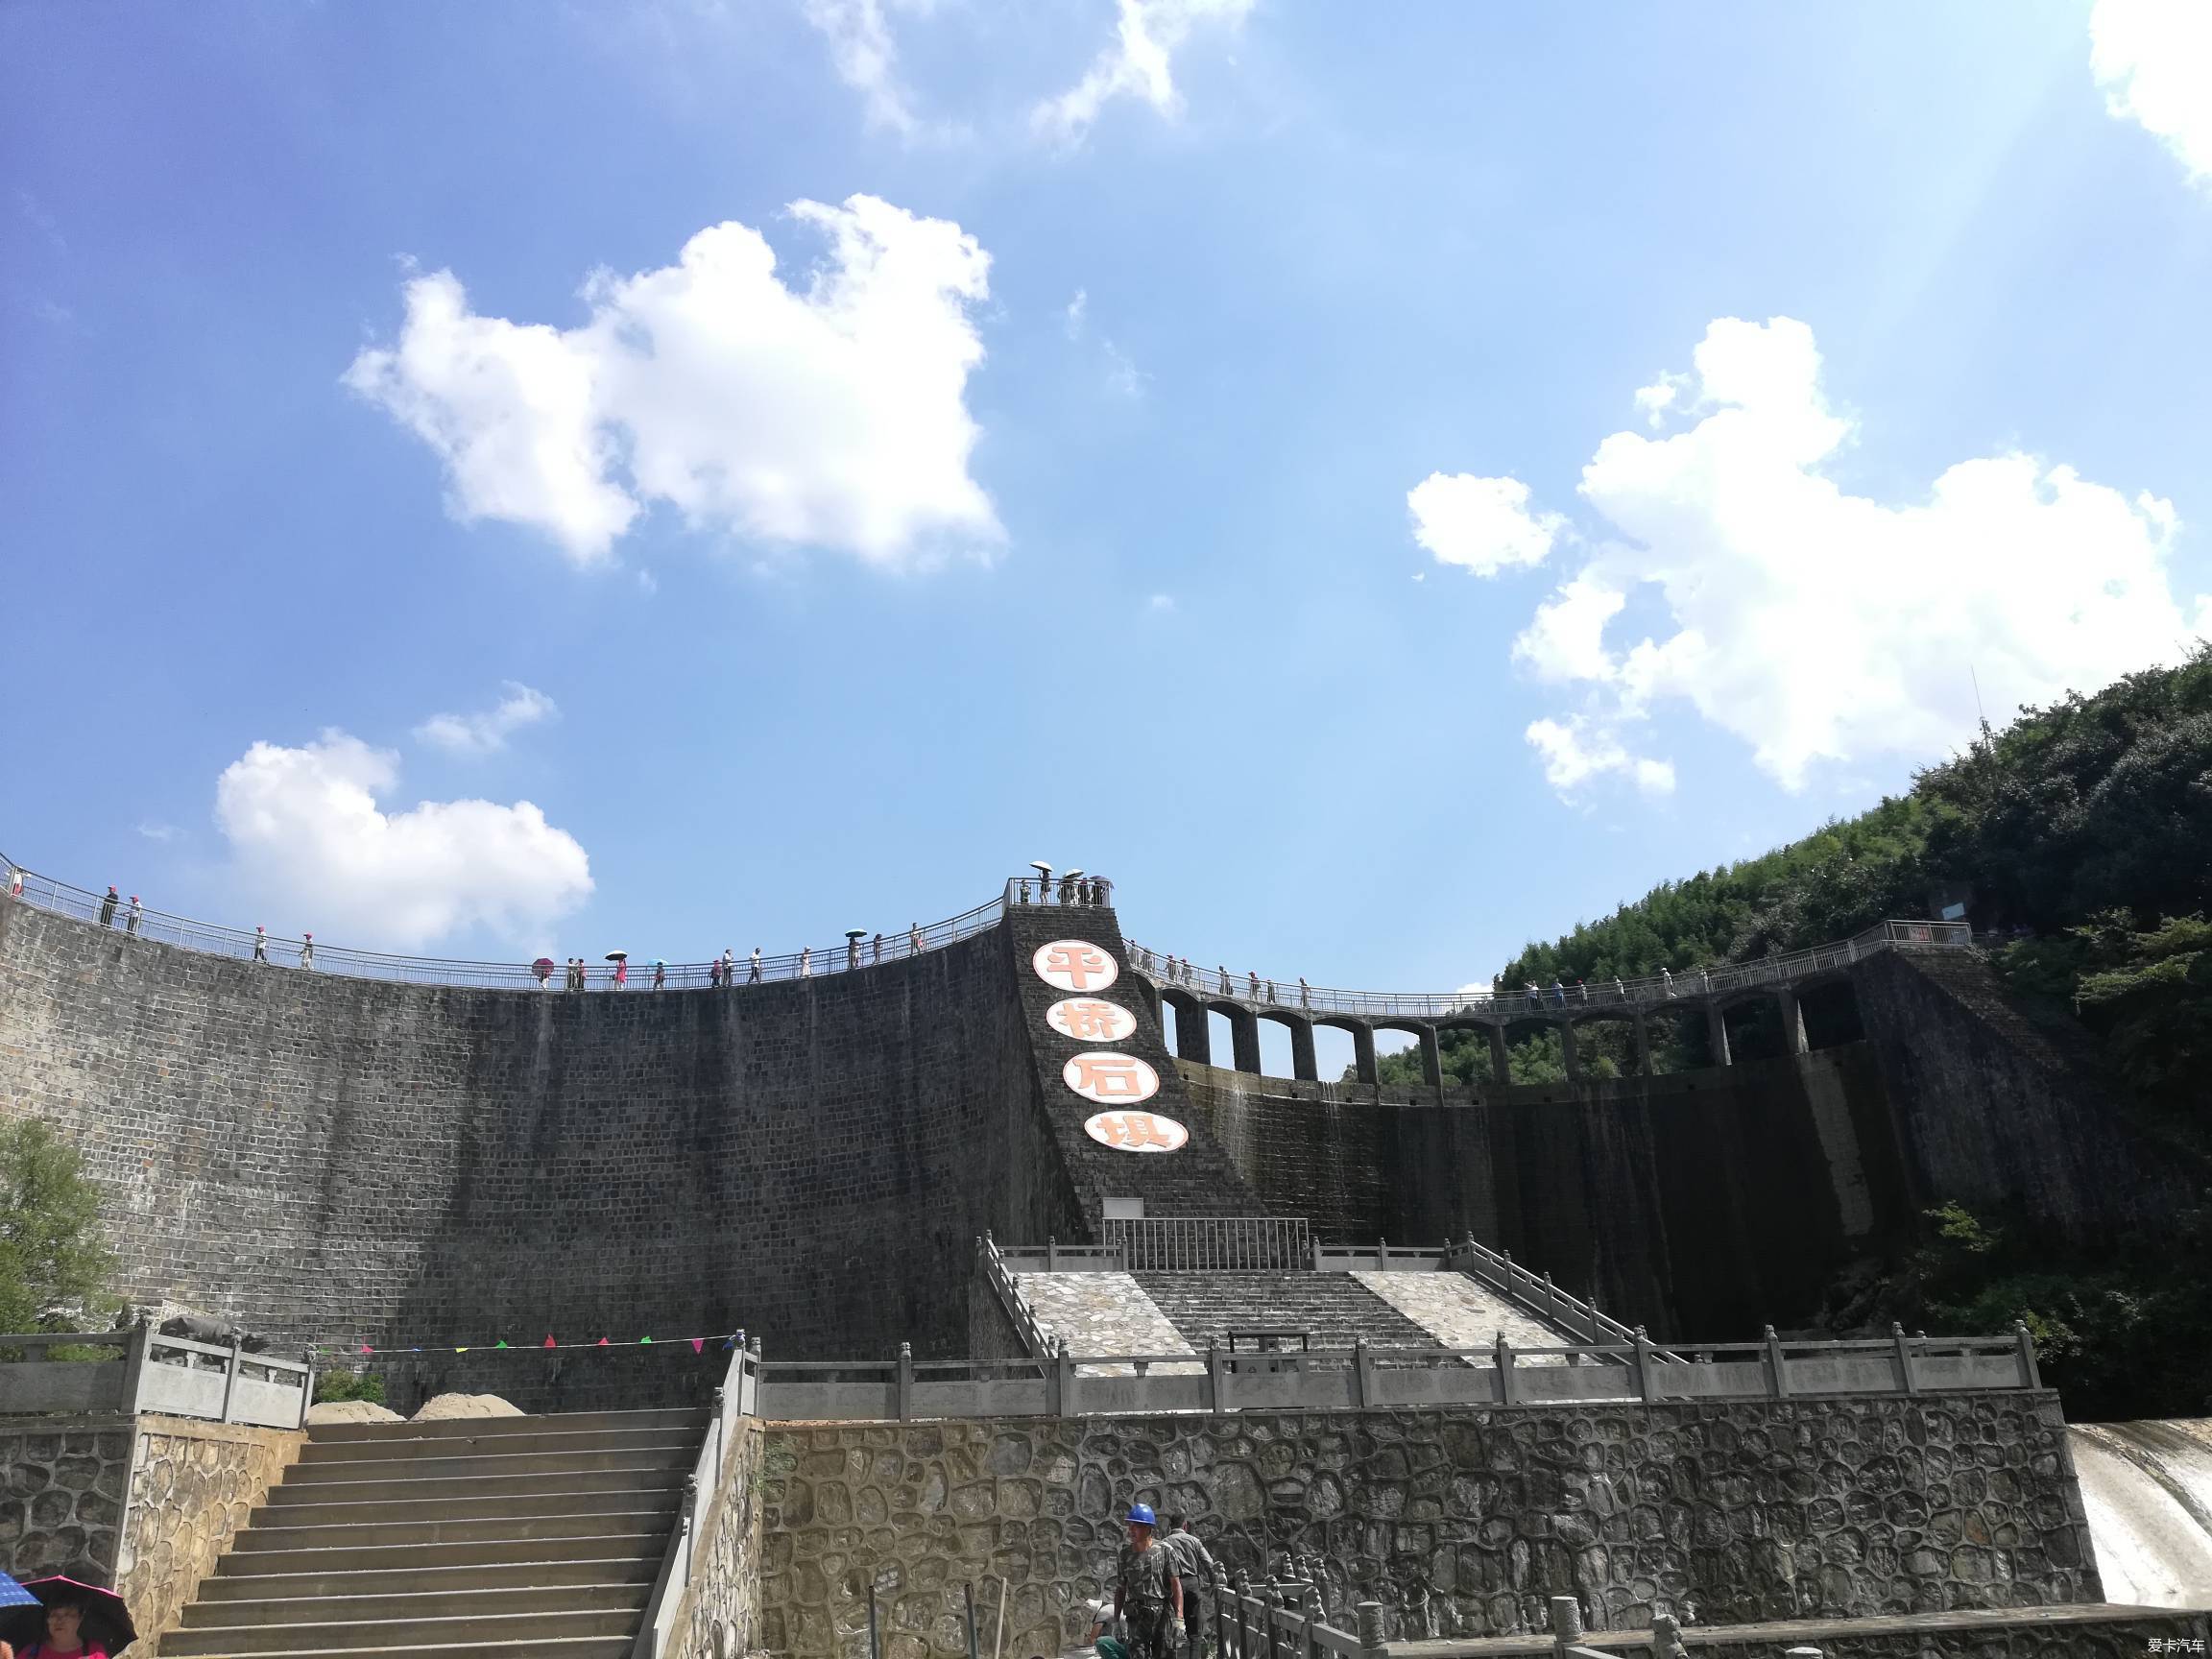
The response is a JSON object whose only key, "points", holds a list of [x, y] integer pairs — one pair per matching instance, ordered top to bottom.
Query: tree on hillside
{"points": [[52, 1259]]}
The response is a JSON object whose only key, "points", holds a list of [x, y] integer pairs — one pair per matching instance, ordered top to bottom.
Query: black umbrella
{"points": [[107, 1621]]}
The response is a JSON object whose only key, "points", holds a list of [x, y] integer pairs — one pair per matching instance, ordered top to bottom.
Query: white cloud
{"points": [[1147, 33], [2154, 59], [867, 60], [1073, 318], [1123, 378], [1657, 399], [832, 414], [1481, 523], [1162, 602], [1820, 626], [1566, 640], [487, 733], [1578, 750], [154, 829], [312, 846]]}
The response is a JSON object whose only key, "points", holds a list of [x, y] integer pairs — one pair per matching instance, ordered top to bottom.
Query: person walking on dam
{"points": [[108, 906], [137, 914], [260, 943], [307, 952], [753, 976], [1193, 1561], [1147, 1594]]}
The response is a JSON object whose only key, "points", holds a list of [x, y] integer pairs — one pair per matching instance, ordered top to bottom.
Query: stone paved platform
{"points": [[1102, 1313], [1462, 1313], [2087, 1630]]}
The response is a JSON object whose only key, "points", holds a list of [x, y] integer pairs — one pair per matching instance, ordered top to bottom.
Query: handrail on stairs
{"points": [[739, 1396]]}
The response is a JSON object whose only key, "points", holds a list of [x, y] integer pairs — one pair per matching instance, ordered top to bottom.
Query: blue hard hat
{"points": [[1140, 1515]]}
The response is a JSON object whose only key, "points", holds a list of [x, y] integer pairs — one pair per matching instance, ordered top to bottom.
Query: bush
{"points": [[53, 1268], [349, 1386]]}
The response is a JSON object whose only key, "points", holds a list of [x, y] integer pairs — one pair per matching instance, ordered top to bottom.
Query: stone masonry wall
{"points": [[337, 1161], [1702, 1204], [192, 1489], [61, 1490], [1461, 1522], [721, 1611]]}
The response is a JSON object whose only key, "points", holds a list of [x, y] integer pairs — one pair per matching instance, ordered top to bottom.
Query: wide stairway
{"points": [[1334, 1307], [512, 1537]]}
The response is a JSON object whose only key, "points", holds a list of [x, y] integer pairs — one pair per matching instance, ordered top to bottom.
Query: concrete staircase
{"points": [[1334, 1307], [510, 1537]]}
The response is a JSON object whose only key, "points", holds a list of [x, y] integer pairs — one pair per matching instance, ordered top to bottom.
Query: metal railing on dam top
{"points": [[858, 949], [645, 974], [1256, 991]]}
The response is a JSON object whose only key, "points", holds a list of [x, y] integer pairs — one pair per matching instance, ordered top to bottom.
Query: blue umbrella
{"points": [[14, 1595]]}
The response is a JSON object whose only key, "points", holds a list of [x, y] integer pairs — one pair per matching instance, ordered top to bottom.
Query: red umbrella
{"points": [[106, 1620]]}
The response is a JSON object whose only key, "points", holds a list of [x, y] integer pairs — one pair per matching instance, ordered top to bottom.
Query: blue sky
{"points": [[1772, 368]]}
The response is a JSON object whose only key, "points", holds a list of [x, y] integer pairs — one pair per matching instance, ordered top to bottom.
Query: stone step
{"points": [[1334, 1309], [690, 1420], [546, 1442], [675, 1455], [547, 1485], [468, 1506], [432, 1529], [286, 1556], [396, 1579], [396, 1604], [401, 1634], [538, 1648]]}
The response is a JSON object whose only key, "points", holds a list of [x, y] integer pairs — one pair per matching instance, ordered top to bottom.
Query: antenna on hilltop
{"points": [[1983, 719]]}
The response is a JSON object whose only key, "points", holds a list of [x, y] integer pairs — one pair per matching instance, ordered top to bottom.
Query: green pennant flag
{"points": [[643, 1340], [500, 1344], [459, 1350]]}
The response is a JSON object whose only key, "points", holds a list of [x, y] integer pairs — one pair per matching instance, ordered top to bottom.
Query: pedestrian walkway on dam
{"points": [[1709, 994]]}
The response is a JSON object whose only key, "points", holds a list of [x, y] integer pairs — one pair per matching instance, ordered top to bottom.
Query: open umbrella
{"points": [[617, 955], [14, 1595], [107, 1621]]}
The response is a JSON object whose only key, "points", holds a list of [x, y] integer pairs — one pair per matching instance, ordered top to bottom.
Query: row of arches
{"points": [[1580, 1041]]}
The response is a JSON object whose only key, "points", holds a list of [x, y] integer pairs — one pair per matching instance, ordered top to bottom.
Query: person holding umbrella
{"points": [[622, 961], [72, 1621]]}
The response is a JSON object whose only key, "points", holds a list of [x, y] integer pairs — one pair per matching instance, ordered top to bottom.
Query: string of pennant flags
{"points": [[727, 1341]]}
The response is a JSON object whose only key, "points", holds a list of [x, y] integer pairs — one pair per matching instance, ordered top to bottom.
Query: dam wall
{"points": [[342, 1161], [1698, 1203]]}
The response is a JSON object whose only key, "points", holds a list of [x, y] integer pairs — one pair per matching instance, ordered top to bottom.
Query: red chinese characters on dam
{"points": [[1074, 965], [1089, 1019], [1111, 1079], [1137, 1131]]}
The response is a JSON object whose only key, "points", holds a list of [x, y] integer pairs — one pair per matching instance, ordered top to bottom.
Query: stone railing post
{"points": [[1051, 1254], [1316, 1255], [1382, 1255], [2024, 1348], [135, 1354], [1777, 1367], [1504, 1370], [1362, 1374], [1216, 1376], [230, 1379], [905, 1381], [1906, 1381], [1646, 1384], [1566, 1623], [1371, 1630], [1667, 1638]]}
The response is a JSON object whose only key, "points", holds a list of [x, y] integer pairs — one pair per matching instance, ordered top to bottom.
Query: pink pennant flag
{"points": [[548, 1342], [602, 1342], [698, 1344], [366, 1349]]}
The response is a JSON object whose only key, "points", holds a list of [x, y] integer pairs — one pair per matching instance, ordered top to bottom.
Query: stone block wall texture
{"points": [[1992, 1108], [340, 1161], [1702, 1204], [62, 1483], [192, 1489], [1461, 1523], [720, 1611]]}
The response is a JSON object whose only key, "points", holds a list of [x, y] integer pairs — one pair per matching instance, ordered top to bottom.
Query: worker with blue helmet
{"points": [[1148, 1594]]}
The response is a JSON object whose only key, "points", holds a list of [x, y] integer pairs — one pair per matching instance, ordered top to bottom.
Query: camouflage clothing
{"points": [[1145, 1599]]}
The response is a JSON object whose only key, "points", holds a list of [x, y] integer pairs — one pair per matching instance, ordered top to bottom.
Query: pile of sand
{"points": [[446, 1405], [350, 1411]]}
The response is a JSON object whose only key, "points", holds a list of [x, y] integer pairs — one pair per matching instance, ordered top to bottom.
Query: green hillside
{"points": [[2084, 829]]}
